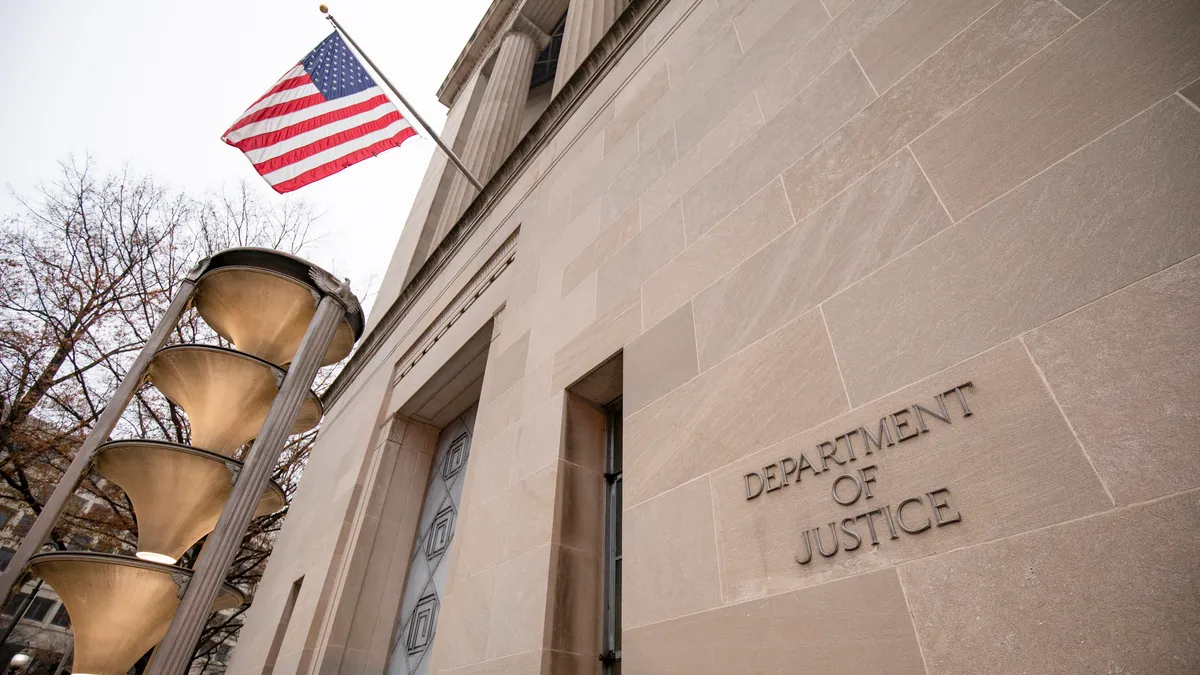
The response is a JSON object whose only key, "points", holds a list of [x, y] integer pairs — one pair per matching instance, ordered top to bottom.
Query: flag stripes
{"points": [[323, 115]]}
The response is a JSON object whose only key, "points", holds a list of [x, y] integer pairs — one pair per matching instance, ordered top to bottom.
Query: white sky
{"points": [[155, 83]]}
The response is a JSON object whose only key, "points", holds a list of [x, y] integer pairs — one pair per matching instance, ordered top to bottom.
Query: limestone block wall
{"points": [[797, 220]]}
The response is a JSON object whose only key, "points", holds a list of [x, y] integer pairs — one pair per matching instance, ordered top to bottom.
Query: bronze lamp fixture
{"points": [[279, 311], [264, 313], [225, 393], [177, 492], [119, 606]]}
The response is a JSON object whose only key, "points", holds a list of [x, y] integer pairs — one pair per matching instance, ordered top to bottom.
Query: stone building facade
{"points": [[866, 329]]}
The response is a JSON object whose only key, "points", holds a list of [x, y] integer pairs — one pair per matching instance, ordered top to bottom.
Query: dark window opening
{"points": [[546, 63], [23, 525], [14, 603], [38, 609], [61, 619], [611, 656]]}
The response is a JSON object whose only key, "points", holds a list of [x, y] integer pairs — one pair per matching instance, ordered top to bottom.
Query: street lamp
{"points": [[279, 310], [264, 313], [226, 394], [177, 492], [119, 606], [18, 662]]}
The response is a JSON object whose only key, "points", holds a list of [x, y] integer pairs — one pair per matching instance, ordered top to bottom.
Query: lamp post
{"points": [[270, 305], [176, 490], [217, 555], [120, 606], [19, 662]]}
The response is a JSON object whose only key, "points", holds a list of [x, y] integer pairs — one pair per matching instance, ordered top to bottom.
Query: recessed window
{"points": [[546, 63], [427, 566], [14, 603], [38, 609], [281, 629], [611, 656]]}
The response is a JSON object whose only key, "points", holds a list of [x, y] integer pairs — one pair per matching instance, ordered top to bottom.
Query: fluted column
{"points": [[587, 22], [498, 122]]}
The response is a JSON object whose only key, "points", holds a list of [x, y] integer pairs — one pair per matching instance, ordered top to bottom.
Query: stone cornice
{"points": [[491, 26], [625, 30], [485, 277]]}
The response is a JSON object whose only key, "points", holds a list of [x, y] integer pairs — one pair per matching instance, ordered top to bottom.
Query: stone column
{"points": [[587, 22], [497, 124]]}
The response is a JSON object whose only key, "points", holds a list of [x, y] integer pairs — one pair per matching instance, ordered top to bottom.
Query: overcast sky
{"points": [[154, 84]]}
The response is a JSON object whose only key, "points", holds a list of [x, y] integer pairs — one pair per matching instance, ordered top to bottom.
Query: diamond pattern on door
{"points": [[455, 457], [439, 536], [426, 579], [420, 628]]}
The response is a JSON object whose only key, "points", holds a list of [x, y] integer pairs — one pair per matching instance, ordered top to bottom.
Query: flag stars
{"points": [[335, 70]]}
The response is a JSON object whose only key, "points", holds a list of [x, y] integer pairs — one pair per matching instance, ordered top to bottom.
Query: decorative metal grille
{"points": [[455, 457], [426, 579], [420, 628]]}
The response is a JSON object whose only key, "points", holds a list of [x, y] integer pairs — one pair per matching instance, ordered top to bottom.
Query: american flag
{"points": [[319, 118]]}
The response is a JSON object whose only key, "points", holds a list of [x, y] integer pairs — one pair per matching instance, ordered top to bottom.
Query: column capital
{"points": [[524, 26]]}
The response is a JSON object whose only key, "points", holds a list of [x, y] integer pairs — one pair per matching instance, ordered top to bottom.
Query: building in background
{"points": [[837, 336], [44, 629]]}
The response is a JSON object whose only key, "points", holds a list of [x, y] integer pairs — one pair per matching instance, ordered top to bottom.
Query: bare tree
{"points": [[86, 268]]}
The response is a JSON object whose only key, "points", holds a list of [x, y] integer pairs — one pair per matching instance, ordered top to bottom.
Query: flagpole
{"points": [[417, 116]]}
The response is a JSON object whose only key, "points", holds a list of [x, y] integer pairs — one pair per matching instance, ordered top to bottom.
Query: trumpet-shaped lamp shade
{"points": [[263, 300], [264, 313], [226, 394], [177, 492], [120, 607]]}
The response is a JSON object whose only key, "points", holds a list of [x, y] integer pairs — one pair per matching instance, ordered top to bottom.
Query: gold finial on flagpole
{"points": [[324, 9]]}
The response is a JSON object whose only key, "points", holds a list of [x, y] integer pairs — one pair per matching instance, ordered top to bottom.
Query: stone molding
{"points": [[490, 27], [625, 30], [480, 282]]}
